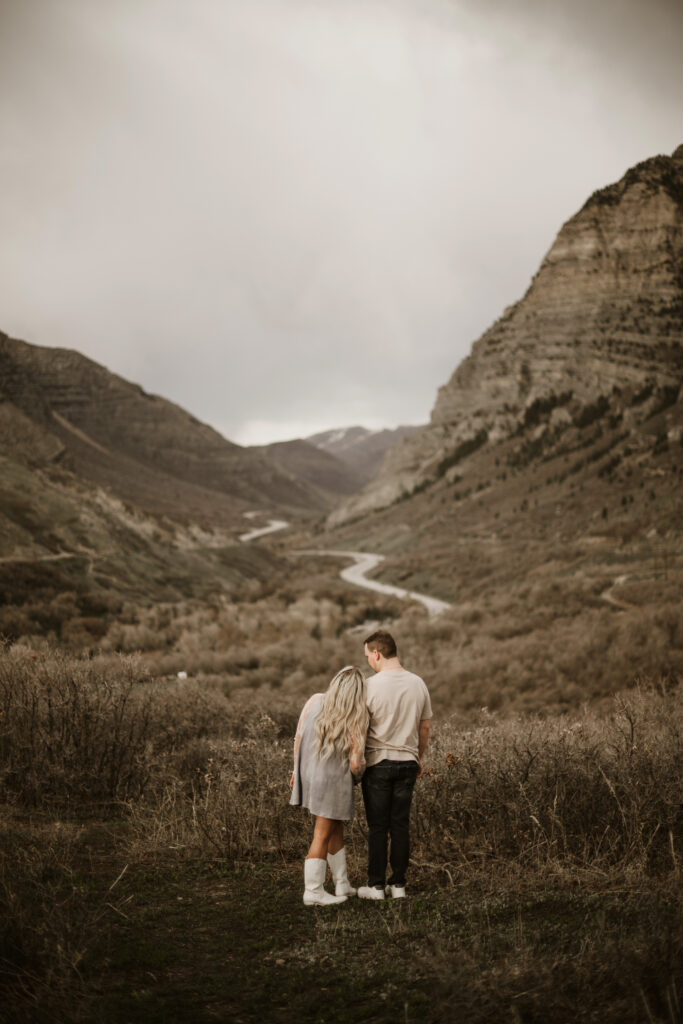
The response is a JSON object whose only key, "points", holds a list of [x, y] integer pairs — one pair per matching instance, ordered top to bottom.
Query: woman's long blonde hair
{"points": [[343, 717]]}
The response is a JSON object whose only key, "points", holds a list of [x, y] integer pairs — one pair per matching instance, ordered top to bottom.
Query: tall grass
{"points": [[72, 730], [79, 731], [194, 774], [589, 792], [51, 917]]}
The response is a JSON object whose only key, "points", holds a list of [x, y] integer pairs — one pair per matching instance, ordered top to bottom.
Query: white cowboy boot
{"points": [[337, 862], [314, 879]]}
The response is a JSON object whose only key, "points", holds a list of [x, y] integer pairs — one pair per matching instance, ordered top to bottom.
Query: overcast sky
{"points": [[289, 215]]}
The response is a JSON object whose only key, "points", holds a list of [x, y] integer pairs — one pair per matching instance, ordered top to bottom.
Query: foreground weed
{"points": [[51, 913]]}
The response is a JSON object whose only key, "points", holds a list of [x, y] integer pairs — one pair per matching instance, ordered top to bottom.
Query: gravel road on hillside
{"points": [[363, 563]]}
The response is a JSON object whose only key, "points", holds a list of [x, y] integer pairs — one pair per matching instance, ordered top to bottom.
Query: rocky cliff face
{"points": [[603, 317]]}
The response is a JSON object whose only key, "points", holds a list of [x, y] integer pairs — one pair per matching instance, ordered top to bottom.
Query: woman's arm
{"points": [[299, 729], [356, 758]]}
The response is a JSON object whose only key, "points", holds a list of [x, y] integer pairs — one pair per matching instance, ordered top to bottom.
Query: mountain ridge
{"points": [[604, 311], [142, 446], [362, 449], [106, 488]]}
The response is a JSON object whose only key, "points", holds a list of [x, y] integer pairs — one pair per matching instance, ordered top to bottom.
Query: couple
{"points": [[381, 724]]}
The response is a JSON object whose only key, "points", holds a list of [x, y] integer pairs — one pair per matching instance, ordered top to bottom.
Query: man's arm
{"points": [[423, 740]]}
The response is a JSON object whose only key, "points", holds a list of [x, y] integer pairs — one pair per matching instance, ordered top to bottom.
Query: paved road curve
{"points": [[272, 527], [364, 562]]}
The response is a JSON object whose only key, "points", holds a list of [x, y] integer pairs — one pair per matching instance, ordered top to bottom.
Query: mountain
{"points": [[601, 324], [144, 448], [361, 449], [336, 463], [322, 470], [105, 486], [545, 500]]}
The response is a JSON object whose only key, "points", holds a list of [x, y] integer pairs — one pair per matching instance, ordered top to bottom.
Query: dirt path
{"points": [[363, 563], [607, 595], [200, 943]]}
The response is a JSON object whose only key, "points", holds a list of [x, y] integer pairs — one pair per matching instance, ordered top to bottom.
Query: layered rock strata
{"points": [[603, 314]]}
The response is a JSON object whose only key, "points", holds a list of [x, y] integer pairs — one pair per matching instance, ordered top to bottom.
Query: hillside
{"points": [[601, 322], [142, 447], [361, 449], [316, 466], [105, 488], [544, 499]]}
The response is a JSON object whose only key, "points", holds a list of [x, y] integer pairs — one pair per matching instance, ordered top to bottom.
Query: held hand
{"points": [[356, 767], [419, 770], [291, 781]]}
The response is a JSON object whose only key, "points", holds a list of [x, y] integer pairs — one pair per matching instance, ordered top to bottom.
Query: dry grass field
{"points": [[150, 866]]}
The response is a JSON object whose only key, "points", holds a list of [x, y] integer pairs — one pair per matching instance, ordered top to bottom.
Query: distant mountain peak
{"points": [[339, 436], [362, 449]]}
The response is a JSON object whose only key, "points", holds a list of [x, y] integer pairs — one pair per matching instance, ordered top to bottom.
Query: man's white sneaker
{"points": [[369, 892], [397, 892]]}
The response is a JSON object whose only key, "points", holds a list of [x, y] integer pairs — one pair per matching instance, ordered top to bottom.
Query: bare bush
{"points": [[550, 660], [183, 711], [71, 730], [589, 792], [594, 793], [228, 797]]}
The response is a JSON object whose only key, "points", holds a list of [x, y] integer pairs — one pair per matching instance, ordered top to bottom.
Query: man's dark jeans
{"points": [[387, 794]]}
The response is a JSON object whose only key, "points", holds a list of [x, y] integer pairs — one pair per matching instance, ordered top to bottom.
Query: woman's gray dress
{"points": [[324, 787]]}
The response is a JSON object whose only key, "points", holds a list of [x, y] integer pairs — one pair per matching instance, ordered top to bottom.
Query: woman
{"points": [[328, 753]]}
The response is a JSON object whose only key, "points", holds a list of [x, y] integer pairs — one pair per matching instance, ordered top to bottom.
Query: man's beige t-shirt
{"points": [[397, 701]]}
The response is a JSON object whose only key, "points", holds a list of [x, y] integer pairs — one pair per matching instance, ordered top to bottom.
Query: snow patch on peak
{"points": [[337, 436]]}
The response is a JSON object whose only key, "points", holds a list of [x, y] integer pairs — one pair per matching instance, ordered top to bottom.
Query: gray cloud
{"points": [[290, 215]]}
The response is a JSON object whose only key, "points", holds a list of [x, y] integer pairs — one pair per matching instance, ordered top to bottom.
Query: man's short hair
{"points": [[383, 642]]}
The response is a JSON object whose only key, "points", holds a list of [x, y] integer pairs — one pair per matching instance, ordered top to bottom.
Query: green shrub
{"points": [[465, 448]]}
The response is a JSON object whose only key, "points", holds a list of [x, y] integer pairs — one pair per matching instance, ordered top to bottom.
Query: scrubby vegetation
{"points": [[542, 642], [150, 862], [150, 865]]}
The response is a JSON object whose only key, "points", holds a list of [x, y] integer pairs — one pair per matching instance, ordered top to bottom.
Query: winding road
{"points": [[273, 526], [364, 562]]}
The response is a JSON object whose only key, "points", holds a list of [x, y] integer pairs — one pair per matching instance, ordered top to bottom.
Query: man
{"points": [[400, 710]]}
